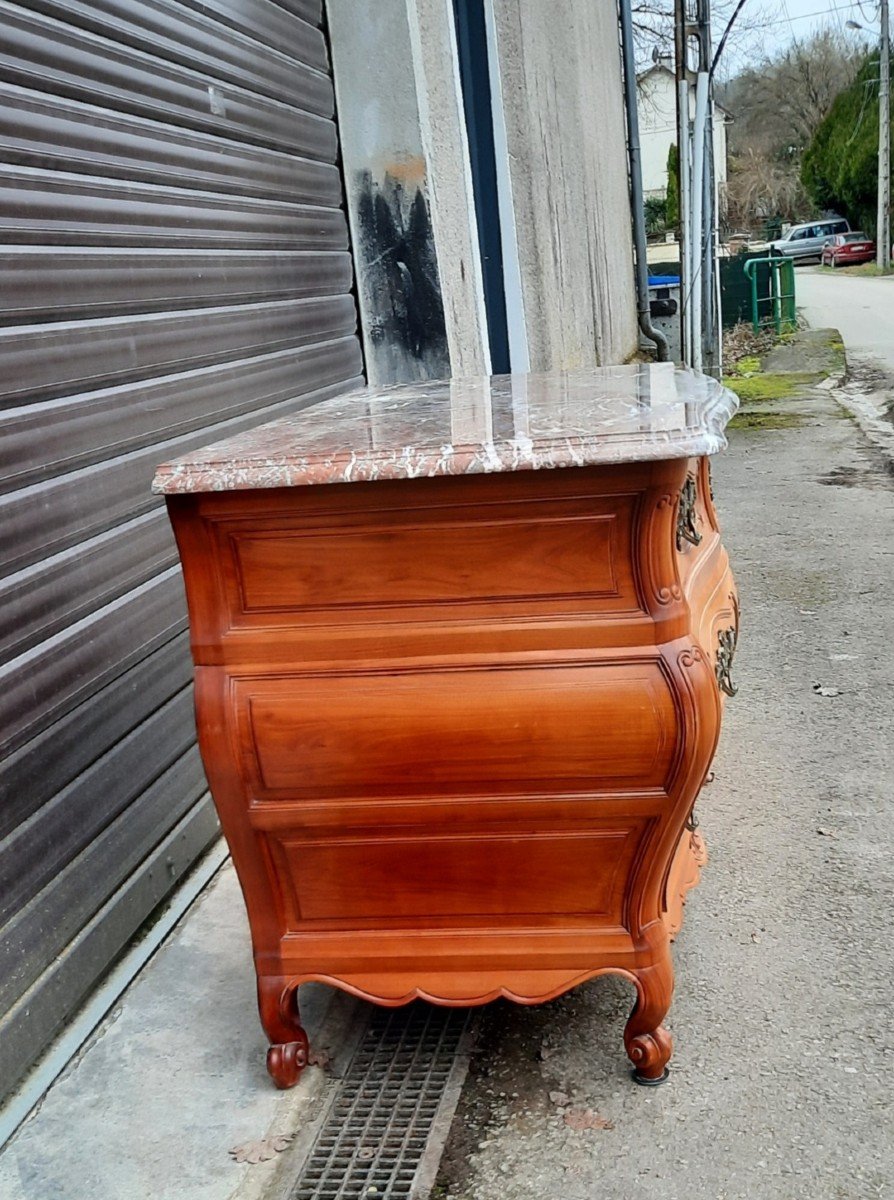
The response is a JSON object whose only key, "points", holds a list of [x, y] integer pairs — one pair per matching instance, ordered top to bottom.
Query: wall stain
{"points": [[399, 277]]}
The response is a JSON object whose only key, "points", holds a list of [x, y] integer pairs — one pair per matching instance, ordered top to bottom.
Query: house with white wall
{"points": [[657, 105]]}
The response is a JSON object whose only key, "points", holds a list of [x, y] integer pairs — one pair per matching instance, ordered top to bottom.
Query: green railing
{"points": [[776, 305]]}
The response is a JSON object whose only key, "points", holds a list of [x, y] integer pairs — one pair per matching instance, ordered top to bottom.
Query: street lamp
{"points": [[883, 223]]}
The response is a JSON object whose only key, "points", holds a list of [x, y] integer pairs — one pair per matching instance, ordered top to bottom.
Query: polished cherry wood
{"points": [[455, 728]]}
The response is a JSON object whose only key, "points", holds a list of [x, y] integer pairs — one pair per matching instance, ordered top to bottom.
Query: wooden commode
{"points": [[461, 653]]}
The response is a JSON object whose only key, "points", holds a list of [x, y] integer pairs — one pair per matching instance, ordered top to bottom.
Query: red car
{"points": [[848, 249]]}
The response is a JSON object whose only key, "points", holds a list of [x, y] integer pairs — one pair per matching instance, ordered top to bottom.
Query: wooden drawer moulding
{"points": [[457, 695]]}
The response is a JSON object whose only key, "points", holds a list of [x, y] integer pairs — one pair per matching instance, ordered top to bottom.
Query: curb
{"points": [[877, 429], [303, 1109]]}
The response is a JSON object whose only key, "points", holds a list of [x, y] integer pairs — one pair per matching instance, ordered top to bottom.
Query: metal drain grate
{"points": [[376, 1133]]}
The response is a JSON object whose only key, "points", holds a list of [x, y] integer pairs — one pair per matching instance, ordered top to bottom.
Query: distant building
{"points": [[657, 89]]}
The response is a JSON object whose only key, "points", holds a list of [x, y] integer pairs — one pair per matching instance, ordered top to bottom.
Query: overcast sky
{"points": [[807, 13], [767, 25]]}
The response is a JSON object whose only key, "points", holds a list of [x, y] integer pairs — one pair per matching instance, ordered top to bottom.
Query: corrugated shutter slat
{"points": [[69, 135], [177, 269], [50, 284]]}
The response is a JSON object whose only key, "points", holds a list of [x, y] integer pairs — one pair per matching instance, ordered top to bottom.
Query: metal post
{"points": [[683, 168], [883, 223], [706, 233], [708, 255]]}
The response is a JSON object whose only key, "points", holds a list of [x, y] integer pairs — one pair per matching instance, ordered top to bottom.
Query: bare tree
{"points": [[653, 24], [779, 103], [777, 106], [759, 189]]}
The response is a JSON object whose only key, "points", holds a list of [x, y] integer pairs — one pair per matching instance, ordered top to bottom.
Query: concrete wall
{"points": [[560, 80], [445, 144], [386, 182], [409, 189], [564, 213]]}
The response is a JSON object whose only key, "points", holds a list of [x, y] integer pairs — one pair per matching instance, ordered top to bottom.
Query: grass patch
{"points": [[869, 268], [764, 387], [766, 420]]}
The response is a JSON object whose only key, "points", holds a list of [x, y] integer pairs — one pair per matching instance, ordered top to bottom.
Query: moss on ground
{"points": [[749, 365], [763, 388], [769, 397], [766, 420]]}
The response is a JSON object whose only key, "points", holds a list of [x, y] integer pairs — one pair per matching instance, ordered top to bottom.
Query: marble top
{"points": [[631, 413]]}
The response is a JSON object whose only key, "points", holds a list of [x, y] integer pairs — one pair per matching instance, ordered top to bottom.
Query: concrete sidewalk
{"points": [[174, 1078], [781, 1086]]}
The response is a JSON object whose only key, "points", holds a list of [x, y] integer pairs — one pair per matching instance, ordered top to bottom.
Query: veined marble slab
{"points": [[632, 413]]}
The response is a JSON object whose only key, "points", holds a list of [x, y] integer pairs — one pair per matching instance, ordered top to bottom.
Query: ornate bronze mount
{"points": [[686, 530], [725, 654]]}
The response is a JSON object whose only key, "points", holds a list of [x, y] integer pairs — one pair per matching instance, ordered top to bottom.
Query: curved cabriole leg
{"points": [[648, 1043], [287, 1056]]}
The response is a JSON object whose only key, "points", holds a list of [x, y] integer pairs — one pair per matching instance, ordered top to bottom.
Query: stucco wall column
{"points": [[562, 101]]}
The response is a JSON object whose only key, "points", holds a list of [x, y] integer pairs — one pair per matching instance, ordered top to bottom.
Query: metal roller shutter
{"points": [[175, 268]]}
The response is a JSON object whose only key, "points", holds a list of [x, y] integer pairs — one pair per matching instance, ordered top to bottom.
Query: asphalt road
{"points": [[862, 307]]}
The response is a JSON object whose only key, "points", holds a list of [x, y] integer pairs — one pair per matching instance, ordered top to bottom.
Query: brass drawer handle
{"points": [[686, 530], [725, 654]]}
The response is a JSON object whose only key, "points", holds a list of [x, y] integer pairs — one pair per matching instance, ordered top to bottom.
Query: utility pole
{"points": [[883, 224]]}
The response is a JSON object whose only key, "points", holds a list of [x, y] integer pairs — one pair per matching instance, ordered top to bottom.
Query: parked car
{"points": [[808, 239], [848, 249]]}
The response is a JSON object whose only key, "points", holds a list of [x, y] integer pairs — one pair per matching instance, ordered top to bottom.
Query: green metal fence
{"points": [[737, 283], [772, 292]]}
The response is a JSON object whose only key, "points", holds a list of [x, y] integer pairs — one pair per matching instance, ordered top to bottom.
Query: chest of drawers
{"points": [[461, 653]]}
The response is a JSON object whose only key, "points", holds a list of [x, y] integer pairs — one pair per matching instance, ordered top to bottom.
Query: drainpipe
{"points": [[684, 159], [637, 210], [697, 216]]}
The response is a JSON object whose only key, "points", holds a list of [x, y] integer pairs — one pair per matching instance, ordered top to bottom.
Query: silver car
{"points": [[807, 240]]}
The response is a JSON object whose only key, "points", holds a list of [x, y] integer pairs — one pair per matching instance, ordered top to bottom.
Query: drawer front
{"points": [[456, 563], [396, 566], [494, 729], [529, 877]]}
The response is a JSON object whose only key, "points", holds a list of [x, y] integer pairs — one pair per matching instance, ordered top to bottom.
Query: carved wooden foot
{"points": [[648, 1043], [287, 1056], [285, 1062]]}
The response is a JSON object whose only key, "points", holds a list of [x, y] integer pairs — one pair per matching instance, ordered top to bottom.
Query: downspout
{"points": [[684, 160], [637, 211], [697, 217]]}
